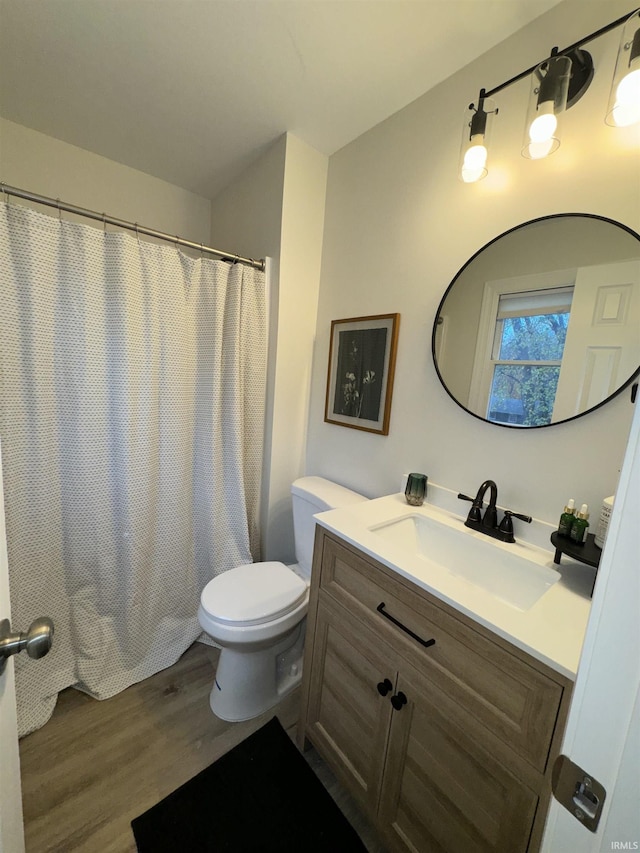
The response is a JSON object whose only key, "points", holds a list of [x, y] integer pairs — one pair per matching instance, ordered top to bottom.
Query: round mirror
{"points": [[542, 325]]}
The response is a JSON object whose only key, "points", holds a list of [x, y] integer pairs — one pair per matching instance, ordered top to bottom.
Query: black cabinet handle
{"points": [[425, 643], [384, 687], [398, 700]]}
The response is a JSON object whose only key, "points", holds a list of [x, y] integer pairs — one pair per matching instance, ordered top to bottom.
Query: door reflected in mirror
{"points": [[542, 325]]}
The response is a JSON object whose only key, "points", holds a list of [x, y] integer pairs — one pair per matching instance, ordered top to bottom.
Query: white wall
{"points": [[47, 166], [276, 209], [248, 213], [399, 225], [302, 232]]}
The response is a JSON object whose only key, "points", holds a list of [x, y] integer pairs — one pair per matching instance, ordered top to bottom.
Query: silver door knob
{"points": [[37, 641]]}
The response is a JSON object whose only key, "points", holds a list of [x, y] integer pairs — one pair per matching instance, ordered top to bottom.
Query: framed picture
{"points": [[362, 361]]}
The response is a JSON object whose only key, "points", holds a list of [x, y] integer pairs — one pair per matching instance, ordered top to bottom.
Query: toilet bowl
{"points": [[256, 613]]}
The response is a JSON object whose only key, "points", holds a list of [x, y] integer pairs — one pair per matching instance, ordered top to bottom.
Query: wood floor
{"points": [[96, 765]]}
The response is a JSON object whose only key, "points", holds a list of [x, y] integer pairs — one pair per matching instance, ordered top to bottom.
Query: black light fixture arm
{"points": [[564, 52], [478, 123]]}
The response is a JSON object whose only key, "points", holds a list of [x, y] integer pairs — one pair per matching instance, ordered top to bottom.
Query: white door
{"points": [[602, 348], [603, 729], [11, 834]]}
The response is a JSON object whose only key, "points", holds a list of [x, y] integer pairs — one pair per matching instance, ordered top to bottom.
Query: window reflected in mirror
{"points": [[530, 332]]}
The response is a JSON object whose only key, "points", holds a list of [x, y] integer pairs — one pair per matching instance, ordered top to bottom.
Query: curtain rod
{"points": [[129, 226]]}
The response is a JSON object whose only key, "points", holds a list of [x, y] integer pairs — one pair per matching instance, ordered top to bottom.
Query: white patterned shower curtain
{"points": [[132, 403]]}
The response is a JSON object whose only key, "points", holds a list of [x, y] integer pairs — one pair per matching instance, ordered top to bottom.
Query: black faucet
{"points": [[487, 523]]}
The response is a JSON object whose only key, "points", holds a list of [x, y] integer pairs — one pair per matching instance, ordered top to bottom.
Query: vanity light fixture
{"points": [[557, 83], [624, 101], [475, 140]]}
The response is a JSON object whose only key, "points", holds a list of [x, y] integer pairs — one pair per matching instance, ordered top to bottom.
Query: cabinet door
{"points": [[511, 698], [348, 718], [442, 791]]}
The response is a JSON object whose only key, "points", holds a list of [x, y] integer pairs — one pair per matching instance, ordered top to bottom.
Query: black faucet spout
{"points": [[490, 518], [488, 523]]}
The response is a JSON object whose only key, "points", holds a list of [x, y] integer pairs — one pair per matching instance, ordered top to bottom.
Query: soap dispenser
{"points": [[567, 518], [579, 526]]}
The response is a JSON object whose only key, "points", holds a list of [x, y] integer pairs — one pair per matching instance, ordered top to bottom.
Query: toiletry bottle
{"points": [[567, 518], [603, 523], [579, 526]]}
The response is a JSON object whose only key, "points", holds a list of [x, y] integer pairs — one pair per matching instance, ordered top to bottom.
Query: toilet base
{"points": [[248, 683]]}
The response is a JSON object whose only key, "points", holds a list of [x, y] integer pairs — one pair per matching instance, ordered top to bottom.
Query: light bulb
{"points": [[628, 91], [624, 102], [626, 110], [623, 116], [544, 125], [541, 132], [476, 135], [538, 150], [475, 156], [475, 160], [470, 176]]}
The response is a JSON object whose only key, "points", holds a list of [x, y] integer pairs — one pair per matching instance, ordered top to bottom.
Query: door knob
{"points": [[37, 641], [384, 687], [398, 700]]}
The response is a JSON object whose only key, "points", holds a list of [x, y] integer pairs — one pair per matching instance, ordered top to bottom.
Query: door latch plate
{"points": [[578, 792]]}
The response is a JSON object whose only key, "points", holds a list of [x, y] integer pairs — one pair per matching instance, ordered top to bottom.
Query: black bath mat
{"points": [[261, 796]]}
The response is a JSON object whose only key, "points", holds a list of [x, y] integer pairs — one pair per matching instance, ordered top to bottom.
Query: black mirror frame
{"points": [[618, 391]]}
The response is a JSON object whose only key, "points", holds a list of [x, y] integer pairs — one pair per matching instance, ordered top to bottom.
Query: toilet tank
{"points": [[311, 495]]}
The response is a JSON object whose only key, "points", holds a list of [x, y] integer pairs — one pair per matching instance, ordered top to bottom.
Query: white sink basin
{"points": [[511, 572]]}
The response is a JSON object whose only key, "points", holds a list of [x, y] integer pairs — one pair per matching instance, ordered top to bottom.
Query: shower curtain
{"points": [[132, 403]]}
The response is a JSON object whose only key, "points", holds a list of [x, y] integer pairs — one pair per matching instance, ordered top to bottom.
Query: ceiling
{"points": [[192, 91]]}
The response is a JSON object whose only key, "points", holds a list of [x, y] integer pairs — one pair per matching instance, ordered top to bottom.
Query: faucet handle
{"points": [[475, 513], [519, 515], [506, 525]]}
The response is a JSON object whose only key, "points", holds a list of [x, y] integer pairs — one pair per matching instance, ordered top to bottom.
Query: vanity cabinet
{"points": [[448, 745]]}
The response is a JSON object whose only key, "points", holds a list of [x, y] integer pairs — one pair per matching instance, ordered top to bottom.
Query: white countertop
{"points": [[552, 630]]}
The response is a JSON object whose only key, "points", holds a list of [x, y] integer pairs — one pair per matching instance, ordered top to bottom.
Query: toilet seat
{"points": [[253, 594]]}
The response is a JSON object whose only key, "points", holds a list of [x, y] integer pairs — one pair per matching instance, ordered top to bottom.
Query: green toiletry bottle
{"points": [[567, 518], [579, 526]]}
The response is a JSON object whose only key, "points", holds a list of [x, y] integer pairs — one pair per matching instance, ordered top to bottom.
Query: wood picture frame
{"points": [[362, 362]]}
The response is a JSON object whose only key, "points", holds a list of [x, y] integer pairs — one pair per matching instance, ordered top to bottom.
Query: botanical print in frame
{"points": [[362, 360]]}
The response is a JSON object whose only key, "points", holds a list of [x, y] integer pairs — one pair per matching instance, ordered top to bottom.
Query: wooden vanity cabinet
{"points": [[449, 746]]}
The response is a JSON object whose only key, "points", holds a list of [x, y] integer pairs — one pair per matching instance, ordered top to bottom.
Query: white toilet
{"points": [[256, 613]]}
